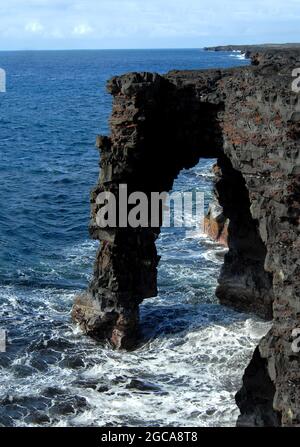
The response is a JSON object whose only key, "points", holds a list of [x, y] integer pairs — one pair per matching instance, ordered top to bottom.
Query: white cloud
{"points": [[34, 27], [82, 29]]}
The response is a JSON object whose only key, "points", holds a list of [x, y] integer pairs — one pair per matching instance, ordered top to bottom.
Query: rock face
{"points": [[248, 119], [215, 221], [216, 224], [244, 284], [255, 399]]}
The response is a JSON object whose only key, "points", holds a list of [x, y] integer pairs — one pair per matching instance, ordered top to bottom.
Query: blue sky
{"points": [[71, 24]]}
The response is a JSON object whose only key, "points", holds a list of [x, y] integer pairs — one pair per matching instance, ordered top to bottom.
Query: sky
{"points": [[114, 24]]}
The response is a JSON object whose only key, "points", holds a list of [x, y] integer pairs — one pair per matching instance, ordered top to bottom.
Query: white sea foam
{"points": [[238, 55], [216, 256], [194, 364], [197, 373]]}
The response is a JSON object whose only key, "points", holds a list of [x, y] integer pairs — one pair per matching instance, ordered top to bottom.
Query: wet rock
{"points": [[5, 361], [73, 362], [39, 364], [23, 370], [119, 379], [92, 384], [141, 385], [102, 388], [53, 391], [24, 403], [70, 405], [62, 408], [14, 411], [210, 411], [37, 418], [5, 420]]}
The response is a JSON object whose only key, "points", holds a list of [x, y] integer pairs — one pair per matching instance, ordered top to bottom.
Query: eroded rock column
{"points": [[126, 263]]}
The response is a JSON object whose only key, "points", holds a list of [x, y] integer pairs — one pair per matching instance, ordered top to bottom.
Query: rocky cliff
{"points": [[249, 120]]}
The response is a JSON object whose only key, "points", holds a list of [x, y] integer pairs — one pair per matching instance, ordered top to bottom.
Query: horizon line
{"points": [[150, 48], [102, 49]]}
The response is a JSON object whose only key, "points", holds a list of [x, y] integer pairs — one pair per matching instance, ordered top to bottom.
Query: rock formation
{"points": [[249, 120], [215, 221], [216, 224]]}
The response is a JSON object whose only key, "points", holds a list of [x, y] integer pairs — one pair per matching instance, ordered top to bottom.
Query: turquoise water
{"points": [[188, 369]]}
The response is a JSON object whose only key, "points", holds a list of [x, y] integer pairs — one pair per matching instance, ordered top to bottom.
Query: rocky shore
{"points": [[249, 120]]}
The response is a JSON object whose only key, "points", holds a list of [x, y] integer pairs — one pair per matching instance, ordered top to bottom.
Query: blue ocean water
{"points": [[191, 363]]}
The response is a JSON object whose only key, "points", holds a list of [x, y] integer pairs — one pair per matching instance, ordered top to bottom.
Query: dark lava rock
{"points": [[248, 119], [5, 361], [73, 362], [23, 370], [92, 384], [147, 387], [52, 391], [255, 399], [70, 405], [62, 408], [37, 418], [5, 420]]}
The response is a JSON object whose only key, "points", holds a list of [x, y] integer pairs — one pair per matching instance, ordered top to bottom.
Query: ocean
{"points": [[194, 351]]}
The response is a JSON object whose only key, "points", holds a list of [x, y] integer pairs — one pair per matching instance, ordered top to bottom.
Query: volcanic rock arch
{"points": [[247, 119]]}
